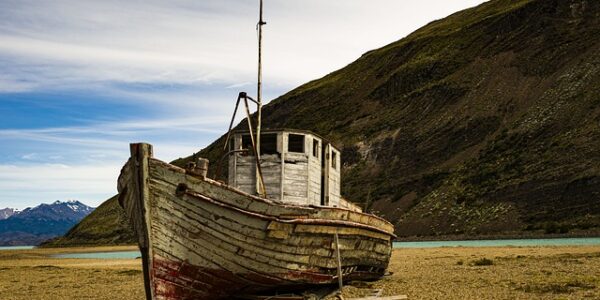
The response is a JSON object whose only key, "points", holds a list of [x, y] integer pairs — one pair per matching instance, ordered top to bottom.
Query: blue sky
{"points": [[80, 80]]}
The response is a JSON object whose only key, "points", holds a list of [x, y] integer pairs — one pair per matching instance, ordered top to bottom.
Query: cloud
{"points": [[85, 42], [13, 85], [174, 138], [30, 156], [28, 185]]}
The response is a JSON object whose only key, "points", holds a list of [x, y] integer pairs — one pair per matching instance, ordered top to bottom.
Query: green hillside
{"points": [[485, 122]]}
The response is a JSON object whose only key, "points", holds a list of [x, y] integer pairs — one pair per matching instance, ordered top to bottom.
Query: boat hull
{"points": [[201, 239]]}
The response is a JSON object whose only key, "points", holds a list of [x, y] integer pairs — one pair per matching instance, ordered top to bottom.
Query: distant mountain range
{"points": [[35, 225], [107, 225]]}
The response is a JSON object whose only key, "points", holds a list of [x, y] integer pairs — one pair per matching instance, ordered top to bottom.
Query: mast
{"points": [[259, 183], [260, 186]]}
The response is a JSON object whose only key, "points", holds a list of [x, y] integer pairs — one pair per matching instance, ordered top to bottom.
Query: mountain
{"points": [[482, 123], [5, 213], [34, 225], [107, 225]]}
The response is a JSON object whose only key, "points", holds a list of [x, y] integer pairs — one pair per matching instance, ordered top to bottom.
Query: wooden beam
{"points": [[140, 153], [339, 261]]}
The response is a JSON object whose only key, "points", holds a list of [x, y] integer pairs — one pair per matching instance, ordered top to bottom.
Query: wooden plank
{"points": [[300, 168], [340, 230], [338, 262]]}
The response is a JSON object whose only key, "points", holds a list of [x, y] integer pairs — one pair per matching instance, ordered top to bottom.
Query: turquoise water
{"points": [[501, 243], [434, 244], [16, 247], [102, 255]]}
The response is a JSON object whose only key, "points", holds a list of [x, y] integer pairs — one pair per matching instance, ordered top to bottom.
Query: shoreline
{"points": [[503, 236]]}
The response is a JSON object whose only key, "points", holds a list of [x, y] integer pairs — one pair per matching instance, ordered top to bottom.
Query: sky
{"points": [[81, 79]]}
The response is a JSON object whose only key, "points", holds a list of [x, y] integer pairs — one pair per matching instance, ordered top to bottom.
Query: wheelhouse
{"points": [[297, 167]]}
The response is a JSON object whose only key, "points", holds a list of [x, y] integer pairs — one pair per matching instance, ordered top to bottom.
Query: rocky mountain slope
{"points": [[485, 122], [5, 213], [34, 225]]}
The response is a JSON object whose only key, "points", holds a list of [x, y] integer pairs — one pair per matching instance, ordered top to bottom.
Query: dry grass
{"points": [[493, 273], [515, 273], [31, 274]]}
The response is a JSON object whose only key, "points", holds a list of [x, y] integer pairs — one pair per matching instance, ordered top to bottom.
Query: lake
{"points": [[502, 243], [16, 247], [102, 255]]}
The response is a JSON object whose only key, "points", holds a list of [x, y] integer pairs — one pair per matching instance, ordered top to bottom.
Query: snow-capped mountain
{"points": [[69, 210], [5, 213], [35, 225]]}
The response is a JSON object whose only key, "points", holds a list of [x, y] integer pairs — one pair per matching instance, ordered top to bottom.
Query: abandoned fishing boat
{"points": [[278, 224], [204, 239]]}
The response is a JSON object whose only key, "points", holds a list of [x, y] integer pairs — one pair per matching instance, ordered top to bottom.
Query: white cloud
{"points": [[198, 42], [108, 141], [30, 156], [28, 185]]}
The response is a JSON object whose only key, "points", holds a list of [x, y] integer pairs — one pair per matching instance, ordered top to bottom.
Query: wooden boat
{"points": [[204, 239]]}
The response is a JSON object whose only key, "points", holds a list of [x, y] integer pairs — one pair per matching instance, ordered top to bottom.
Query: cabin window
{"points": [[247, 143], [296, 143], [268, 144], [315, 148], [333, 159]]}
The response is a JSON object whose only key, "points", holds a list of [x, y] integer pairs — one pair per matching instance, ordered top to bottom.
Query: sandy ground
{"points": [[439, 273], [509, 273], [32, 274]]}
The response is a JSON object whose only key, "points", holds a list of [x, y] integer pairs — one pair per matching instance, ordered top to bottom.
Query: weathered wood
{"points": [[198, 168], [288, 176], [134, 186], [217, 190], [339, 262]]}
